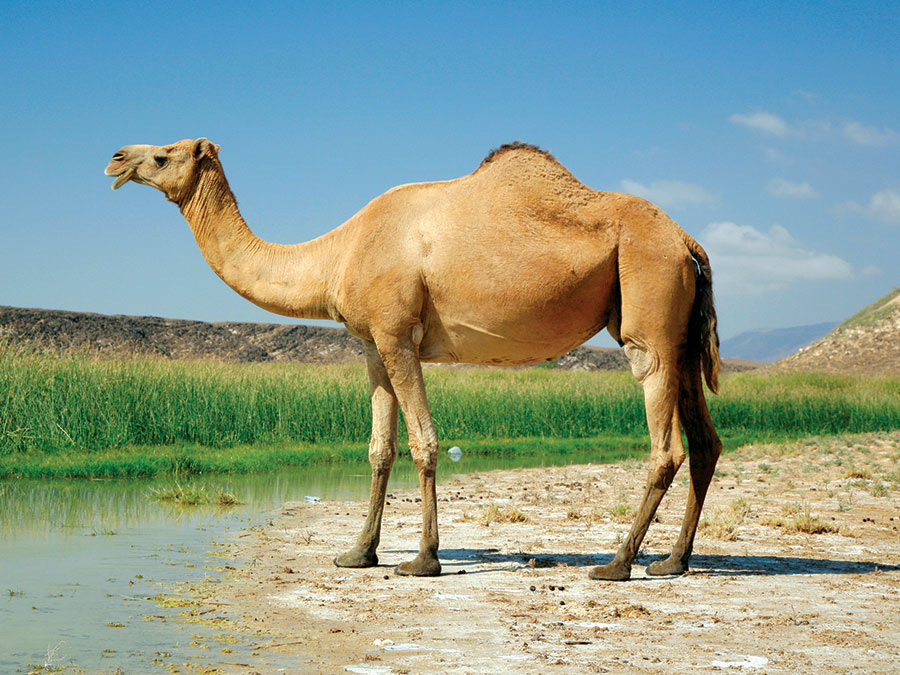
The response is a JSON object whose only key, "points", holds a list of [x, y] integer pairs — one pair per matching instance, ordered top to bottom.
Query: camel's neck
{"points": [[288, 280]]}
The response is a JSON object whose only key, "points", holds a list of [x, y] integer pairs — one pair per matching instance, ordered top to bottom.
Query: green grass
{"points": [[870, 315], [84, 416], [191, 494]]}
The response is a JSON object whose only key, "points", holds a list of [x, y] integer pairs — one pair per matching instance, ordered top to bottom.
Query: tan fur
{"points": [[515, 263]]}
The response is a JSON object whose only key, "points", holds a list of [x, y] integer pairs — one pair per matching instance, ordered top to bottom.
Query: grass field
{"points": [[144, 416]]}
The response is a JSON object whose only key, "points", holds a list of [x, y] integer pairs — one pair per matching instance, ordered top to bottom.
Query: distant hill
{"points": [[65, 331], [124, 336], [175, 338], [867, 342], [769, 345]]}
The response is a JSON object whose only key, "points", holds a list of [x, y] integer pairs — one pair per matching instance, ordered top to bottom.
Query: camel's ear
{"points": [[203, 148]]}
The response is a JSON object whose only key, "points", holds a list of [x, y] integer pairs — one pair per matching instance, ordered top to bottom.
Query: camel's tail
{"points": [[702, 330]]}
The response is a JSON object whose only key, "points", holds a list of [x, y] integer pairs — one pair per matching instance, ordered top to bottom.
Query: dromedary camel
{"points": [[515, 263]]}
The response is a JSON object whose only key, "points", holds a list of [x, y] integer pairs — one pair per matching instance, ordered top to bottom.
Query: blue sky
{"points": [[770, 132]]}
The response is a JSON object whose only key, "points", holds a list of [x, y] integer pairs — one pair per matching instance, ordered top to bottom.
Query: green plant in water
{"points": [[191, 494]]}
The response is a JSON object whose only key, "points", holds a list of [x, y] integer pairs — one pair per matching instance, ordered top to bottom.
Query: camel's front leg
{"points": [[405, 371], [382, 452]]}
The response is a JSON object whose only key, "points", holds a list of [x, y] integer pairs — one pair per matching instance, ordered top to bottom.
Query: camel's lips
{"points": [[123, 178]]}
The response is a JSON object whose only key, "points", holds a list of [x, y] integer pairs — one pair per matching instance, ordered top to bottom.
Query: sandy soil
{"points": [[796, 568]]}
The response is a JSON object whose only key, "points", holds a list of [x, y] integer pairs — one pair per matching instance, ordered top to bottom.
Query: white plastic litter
{"points": [[455, 453], [309, 498]]}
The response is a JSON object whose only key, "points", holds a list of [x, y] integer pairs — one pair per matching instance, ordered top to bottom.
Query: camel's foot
{"points": [[356, 558], [420, 566], [669, 567], [614, 571]]}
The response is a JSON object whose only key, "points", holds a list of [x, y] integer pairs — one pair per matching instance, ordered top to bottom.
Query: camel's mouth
{"points": [[123, 178]]}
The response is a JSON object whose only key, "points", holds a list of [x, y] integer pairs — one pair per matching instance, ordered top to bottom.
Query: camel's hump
{"points": [[515, 146]]}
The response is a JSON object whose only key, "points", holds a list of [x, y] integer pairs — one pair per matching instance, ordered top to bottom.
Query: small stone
{"points": [[461, 572], [532, 588]]}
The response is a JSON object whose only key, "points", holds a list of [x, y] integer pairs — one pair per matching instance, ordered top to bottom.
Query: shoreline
{"points": [[794, 569]]}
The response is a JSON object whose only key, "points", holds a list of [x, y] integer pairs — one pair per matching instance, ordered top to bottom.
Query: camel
{"points": [[515, 263]]}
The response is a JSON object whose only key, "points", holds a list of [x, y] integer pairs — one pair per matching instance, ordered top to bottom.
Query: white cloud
{"points": [[762, 121], [817, 129], [872, 136], [779, 187], [669, 193], [884, 206], [746, 261]]}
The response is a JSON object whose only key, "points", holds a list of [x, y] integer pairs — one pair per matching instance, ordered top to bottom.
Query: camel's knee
{"points": [[641, 360], [382, 452], [424, 454], [664, 464], [662, 474]]}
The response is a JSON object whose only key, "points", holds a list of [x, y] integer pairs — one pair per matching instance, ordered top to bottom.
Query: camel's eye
{"points": [[160, 160]]}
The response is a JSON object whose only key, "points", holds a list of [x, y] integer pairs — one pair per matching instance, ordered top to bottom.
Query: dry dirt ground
{"points": [[796, 568]]}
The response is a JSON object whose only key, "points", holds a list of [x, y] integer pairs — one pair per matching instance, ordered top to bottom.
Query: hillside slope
{"points": [[66, 331], [176, 338], [868, 342]]}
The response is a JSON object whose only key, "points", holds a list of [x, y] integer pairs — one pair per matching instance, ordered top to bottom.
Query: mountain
{"points": [[868, 342], [769, 345]]}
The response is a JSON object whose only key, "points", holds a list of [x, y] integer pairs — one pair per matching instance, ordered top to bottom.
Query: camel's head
{"points": [[171, 168]]}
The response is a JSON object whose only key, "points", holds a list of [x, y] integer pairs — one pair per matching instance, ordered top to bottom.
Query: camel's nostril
{"points": [[119, 155]]}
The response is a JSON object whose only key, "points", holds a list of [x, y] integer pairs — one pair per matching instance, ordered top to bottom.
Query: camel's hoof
{"points": [[356, 558], [419, 567], [667, 568], [614, 571]]}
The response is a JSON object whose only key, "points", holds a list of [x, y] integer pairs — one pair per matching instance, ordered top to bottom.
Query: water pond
{"points": [[85, 564]]}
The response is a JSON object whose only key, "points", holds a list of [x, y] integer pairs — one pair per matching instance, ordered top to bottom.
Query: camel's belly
{"points": [[519, 306], [502, 339], [469, 345]]}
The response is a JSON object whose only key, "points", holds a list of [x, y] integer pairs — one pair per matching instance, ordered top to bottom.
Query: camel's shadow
{"points": [[457, 560]]}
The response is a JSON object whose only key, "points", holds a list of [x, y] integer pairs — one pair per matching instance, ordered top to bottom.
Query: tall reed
{"points": [[50, 404]]}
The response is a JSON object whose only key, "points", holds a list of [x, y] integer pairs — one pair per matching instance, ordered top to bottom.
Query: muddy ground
{"points": [[796, 568]]}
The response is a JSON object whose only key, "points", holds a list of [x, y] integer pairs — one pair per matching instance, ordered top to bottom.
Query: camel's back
{"points": [[513, 262]]}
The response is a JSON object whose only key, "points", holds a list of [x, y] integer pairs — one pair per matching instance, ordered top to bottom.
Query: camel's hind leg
{"points": [[657, 290], [660, 381], [705, 447], [382, 452]]}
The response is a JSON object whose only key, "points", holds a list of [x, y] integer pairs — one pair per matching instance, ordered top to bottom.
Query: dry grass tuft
{"points": [[622, 513], [508, 514], [799, 519], [724, 524], [811, 524], [629, 611]]}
